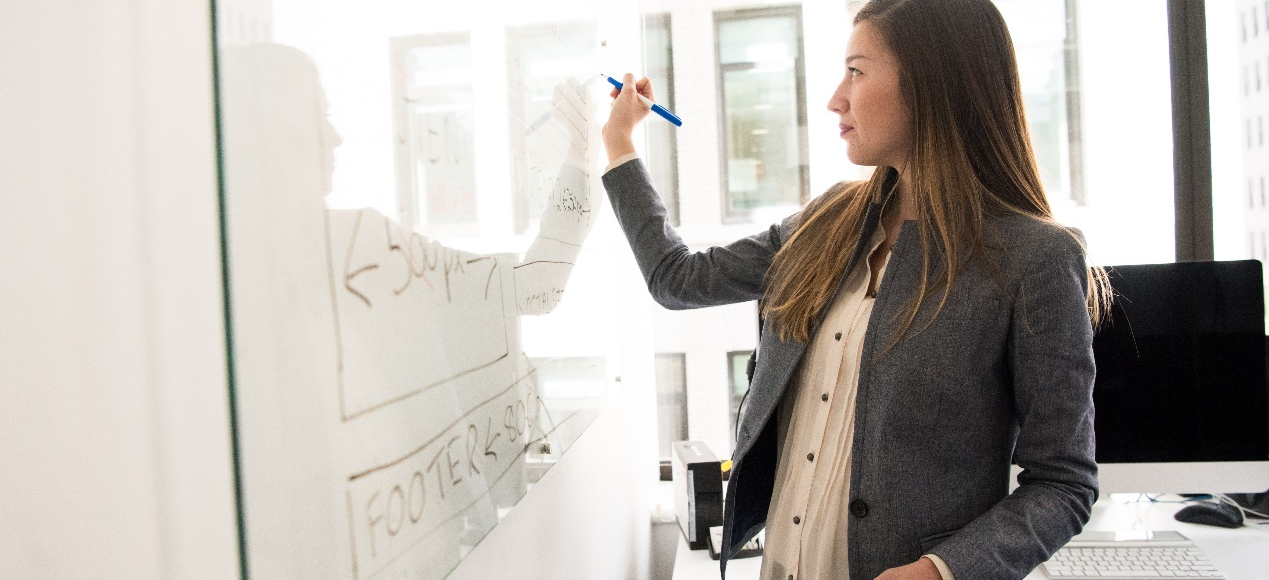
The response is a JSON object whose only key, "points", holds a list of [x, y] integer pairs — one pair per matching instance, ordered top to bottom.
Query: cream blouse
{"points": [[807, 520]]}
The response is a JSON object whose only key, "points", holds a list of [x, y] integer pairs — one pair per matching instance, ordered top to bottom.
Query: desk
{"points": [[1242, 553]]}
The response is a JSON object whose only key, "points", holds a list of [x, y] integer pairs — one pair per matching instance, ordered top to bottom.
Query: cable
{"points": [[740, 412], [1155, 499], [1226, 499]]}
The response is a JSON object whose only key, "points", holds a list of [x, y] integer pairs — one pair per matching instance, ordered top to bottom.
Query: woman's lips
{"points": [[845, 129]]}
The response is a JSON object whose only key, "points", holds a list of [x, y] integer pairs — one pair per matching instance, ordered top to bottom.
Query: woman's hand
{"points": [[627, 111], [922, 569]]}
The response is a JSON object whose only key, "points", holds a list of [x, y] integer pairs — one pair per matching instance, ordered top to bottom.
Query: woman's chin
{"points": [[857, 157]]}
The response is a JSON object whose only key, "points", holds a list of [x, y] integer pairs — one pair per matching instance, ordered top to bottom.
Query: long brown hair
{"points": [[970, 157]]}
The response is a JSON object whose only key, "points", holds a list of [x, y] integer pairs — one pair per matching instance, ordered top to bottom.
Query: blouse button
{"points": [[837, 336], [824, 397], [810, 457], [797, 520]]}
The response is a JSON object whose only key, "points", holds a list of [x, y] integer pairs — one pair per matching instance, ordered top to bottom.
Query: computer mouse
{"points": [[1211, 514]]}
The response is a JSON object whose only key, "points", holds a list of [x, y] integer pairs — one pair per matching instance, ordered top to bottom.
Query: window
{"points": [[1047, 42], [763, 104], [432, 108], [1096, 126], [1074, 150], [662, 152], [1238, 154], [738, 380], [671, 401]]}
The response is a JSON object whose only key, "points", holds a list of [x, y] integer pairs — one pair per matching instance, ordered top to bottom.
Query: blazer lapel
{"points": [[872, 217]]}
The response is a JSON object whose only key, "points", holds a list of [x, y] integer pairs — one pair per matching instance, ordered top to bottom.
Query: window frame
{"points": [[1191, 130]]}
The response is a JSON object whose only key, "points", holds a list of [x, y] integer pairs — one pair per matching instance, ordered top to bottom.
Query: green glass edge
{"points": [[231, 383]]}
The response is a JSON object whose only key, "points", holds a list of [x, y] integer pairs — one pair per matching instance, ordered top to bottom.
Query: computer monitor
{"points": [[1181, 398]]}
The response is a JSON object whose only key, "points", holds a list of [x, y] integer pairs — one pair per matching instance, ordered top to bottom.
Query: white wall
{"points": [[114, 421]]}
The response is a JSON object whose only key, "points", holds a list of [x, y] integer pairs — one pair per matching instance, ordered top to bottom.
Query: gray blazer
{"points": [[1003, 373]]}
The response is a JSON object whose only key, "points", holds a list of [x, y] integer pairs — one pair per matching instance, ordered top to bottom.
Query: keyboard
{"points": [[1130, 556]]}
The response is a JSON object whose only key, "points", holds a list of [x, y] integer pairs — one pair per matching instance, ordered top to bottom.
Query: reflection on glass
{"points": [[539, 57], [760, 61], [432, 100], [573, 391], [388, 414]]}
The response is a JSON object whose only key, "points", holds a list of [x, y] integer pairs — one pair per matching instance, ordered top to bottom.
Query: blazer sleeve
{"points": [[676, 277], [1051, 357]]}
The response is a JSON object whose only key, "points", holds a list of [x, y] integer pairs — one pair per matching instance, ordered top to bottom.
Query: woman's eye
{"points": [[854, 72]]}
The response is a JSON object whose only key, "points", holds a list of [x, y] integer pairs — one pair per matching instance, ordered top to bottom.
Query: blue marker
{"points": [[658, 109]]}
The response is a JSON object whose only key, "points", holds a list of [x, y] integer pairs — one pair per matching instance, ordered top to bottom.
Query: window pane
{"points": [[758, 39], [1046, 42], [1238, 58], [761, 69], [1098, 102], [662, 152], [762, 164], [737, 365], [671, 402]]}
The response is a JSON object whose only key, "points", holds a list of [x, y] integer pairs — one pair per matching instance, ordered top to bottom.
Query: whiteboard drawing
{"points": [[388, 276], [387, 416]]}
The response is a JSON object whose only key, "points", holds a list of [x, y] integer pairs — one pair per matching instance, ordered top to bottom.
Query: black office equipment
{"points": [[1181, 381], [698, 491], [1211, 514], [751, 549]]}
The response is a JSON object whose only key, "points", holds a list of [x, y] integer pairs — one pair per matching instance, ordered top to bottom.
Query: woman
{"points": [[924, 327]]}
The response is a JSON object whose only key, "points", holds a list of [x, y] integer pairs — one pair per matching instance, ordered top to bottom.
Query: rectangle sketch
{"points": [[411, 314], [436, 502]]}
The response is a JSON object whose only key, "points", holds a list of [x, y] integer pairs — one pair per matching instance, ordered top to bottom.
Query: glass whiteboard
{"points": [[418, 325]]}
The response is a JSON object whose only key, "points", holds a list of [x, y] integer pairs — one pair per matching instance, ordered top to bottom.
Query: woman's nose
{"points": [[837, 103]]}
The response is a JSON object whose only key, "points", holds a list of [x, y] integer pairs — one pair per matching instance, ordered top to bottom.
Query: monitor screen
{"points": [[1181, 365]]}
